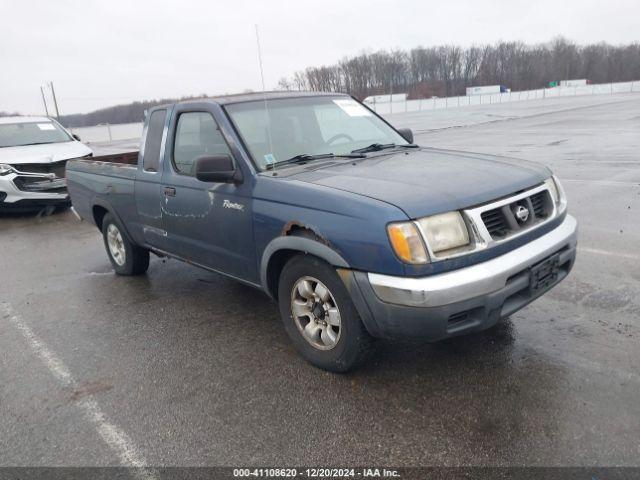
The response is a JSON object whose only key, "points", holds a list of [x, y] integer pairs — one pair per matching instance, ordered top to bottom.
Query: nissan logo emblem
{"points": [[522, 213]]}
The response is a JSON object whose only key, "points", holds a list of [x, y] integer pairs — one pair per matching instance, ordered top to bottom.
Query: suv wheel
{"points": [[126, 258], [320, 317]]}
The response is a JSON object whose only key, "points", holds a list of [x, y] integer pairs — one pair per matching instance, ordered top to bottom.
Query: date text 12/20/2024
{"points": [[316, 472]]}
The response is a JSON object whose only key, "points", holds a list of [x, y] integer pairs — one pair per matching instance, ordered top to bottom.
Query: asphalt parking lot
{"points": [[190, 368]]}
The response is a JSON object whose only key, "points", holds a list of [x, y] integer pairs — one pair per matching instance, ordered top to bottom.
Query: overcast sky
{"points": [[101, 53]]}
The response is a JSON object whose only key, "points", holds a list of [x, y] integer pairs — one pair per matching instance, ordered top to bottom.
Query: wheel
{"points": [[126, 258], [320, 317]]}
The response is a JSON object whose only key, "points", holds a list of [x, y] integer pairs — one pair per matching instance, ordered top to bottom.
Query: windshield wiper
{"points": [[376, 147], [306, 157]]}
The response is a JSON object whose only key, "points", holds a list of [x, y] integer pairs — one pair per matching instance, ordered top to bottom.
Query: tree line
{"points": [[447, 70], [423, 72], [127, 113]]}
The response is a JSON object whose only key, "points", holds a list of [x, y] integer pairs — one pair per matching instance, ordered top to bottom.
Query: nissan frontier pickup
{"points": [[354, 230]]}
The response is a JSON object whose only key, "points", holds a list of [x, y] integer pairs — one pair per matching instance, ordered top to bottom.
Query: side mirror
{"points": [[406, 133], [76, 137], [217, 168]]}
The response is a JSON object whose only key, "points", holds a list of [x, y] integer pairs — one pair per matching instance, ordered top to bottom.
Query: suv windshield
{"points": [[308, 126], [31, 133]]}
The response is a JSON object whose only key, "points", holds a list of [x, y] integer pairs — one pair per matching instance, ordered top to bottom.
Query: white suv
{"points": [[33, 155]]}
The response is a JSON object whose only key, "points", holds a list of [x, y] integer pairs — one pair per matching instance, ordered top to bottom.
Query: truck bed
{"points": [[128, 158], [121, 165], [109, 178]]}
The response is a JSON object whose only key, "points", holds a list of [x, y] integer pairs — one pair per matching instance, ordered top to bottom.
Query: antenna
{"points": [[264, 94]]}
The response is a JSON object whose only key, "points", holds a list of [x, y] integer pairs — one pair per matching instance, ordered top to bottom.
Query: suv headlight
{"points": [[5, 169], [557, 193], [445, 231]]}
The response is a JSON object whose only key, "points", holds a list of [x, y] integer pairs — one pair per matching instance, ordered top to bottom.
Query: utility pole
{"points": [[390, 92], [44, 100], [55, 102]]}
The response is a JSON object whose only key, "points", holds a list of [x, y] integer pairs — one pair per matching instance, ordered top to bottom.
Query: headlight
{"points": [[5, 169], [551, 185], [557, 193], [445, 231], [407, 242]]}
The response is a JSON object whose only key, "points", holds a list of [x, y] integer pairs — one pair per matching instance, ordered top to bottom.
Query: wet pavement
{"points": [[194, 369]]}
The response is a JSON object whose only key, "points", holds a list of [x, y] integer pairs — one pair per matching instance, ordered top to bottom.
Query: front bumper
{"points": [[36, 193], [463, 300]]}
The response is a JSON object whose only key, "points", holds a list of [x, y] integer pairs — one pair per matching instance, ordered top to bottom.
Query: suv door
{"points": [[207, 223]]}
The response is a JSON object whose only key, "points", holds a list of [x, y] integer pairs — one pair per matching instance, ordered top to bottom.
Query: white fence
{"points": [[454, 102], [128, 131]]}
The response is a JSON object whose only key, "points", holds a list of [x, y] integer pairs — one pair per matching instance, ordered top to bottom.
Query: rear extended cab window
{"points": [[153, 143]]}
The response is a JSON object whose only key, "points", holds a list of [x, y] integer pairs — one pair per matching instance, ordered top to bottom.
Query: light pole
{"points": [[44, 100], [55, 102]]}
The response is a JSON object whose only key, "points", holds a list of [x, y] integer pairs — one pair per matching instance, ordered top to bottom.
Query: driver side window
{"points": [[197, 134]]}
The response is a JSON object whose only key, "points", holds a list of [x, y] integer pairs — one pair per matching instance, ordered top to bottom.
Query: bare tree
{"points": [[470, 64], [447, 70], [285, 84]]}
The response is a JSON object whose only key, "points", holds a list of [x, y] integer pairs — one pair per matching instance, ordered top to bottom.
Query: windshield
{"points": [[309, 125], [31, 133]]}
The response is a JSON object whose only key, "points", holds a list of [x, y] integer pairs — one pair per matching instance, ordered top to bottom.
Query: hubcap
{"points": [[116, 245], [315, 313]]}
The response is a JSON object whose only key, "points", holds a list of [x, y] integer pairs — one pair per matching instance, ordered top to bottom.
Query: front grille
{"points": [[57, 168], [42, 178], [40, 184], [538, 201], [517, 216], [495, 222]]}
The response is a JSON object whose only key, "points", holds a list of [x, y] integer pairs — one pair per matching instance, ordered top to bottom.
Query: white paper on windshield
{"points": [[352, 108], [46, 126]]}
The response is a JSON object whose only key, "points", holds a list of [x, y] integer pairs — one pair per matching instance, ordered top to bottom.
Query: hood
{"points": [[45, 153], [428, 181]]}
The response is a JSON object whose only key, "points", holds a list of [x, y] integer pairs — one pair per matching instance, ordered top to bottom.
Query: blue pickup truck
{"points": [[356, 232]]}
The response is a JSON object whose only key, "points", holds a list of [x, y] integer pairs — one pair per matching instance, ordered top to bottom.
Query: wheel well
{"points": [[98, 215], [279, 259], [276, 264]]}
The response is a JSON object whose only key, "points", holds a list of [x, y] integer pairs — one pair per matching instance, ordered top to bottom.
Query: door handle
{"points": [[169, 192]]}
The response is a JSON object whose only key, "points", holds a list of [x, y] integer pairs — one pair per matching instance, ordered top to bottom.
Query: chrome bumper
{"points": [[476, 280]]}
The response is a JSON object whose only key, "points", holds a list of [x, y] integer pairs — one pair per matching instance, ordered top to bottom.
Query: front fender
{"points": [[300, 244], [320, 250]]}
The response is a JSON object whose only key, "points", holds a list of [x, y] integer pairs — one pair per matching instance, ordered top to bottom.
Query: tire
{"points": [[125, 257], [342, 343]]}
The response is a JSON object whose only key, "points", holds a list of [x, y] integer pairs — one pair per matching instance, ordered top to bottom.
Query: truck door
{"points": [[148, 187], [207, 223]]}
